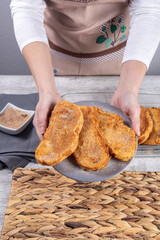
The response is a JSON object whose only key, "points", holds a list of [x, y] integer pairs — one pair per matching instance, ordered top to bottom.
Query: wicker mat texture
{"points": [[43, 204]]}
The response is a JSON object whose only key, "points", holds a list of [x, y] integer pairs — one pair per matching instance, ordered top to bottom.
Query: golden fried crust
{"points": [[146, 125], [61, 137], [154, 138], [120, 139], [91, 153]]}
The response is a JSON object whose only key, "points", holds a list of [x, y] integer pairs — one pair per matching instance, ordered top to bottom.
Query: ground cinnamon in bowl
{"points": [[13, 118]]}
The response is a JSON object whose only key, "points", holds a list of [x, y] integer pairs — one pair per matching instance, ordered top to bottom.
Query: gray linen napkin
{"points": [[18, 150]]}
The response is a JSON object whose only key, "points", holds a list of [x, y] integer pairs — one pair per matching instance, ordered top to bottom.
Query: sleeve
{"points": [[28, 21], [144, 35]]}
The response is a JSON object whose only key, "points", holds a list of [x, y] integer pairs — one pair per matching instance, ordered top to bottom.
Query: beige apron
{"points": [[87, 37]]}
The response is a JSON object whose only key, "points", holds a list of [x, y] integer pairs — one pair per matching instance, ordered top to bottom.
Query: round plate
{"points": [[71, 169]]}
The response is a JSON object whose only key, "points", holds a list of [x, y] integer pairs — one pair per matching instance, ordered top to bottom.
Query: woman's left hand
{"points": [[129, 105]]}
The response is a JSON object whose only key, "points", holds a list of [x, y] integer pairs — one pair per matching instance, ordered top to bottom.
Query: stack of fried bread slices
{"points": [[149, 126], [89, 133]]}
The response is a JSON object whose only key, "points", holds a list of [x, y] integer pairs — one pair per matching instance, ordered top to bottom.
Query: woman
{"points": [[87, 37]]}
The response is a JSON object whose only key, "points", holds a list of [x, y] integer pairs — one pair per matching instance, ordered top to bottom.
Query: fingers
{"points": [[46, 103], [128, 103], [134, 115], [40, 121], [37, 128]]}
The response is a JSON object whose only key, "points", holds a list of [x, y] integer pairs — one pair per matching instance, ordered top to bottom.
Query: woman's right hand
{"points": [[46, 103]]}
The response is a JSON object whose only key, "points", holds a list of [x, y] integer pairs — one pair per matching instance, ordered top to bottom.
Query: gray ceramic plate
{"points": [[70, 169]]}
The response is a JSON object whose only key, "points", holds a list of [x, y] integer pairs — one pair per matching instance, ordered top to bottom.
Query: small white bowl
{"points": [[23, 126]]}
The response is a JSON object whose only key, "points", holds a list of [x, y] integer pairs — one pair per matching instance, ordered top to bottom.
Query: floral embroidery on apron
{"points": [[113, 31]]}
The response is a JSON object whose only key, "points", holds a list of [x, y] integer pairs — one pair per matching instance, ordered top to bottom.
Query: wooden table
{"points": [[26, 85]]}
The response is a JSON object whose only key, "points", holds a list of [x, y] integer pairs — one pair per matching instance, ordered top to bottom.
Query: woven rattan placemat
{"points": [[43, 204]]}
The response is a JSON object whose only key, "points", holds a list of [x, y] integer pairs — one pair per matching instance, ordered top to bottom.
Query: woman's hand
{"points": [[126, 95], [46, 103], [129, 105]]}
